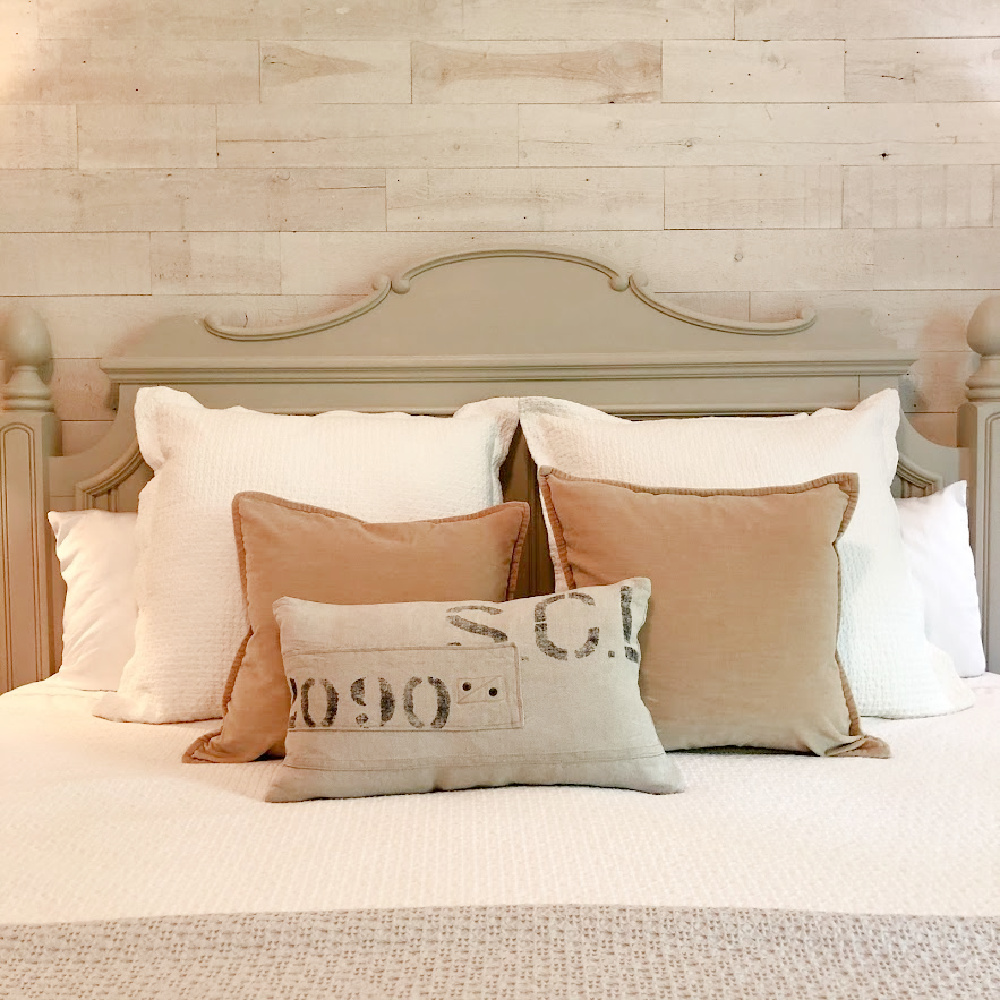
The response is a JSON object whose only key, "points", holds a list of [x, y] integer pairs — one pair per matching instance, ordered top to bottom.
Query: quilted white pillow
{"points": [[378, 467], [936, 541], [96, 552], [892, 669]]}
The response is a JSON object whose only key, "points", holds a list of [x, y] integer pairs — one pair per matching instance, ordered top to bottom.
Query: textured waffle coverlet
{"points": [[523, 952]]}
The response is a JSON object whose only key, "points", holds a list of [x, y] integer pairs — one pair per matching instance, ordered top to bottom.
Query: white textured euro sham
{"points": [[378, 467], [936, 541], [96, 552], [892, 669], [413, 697]]}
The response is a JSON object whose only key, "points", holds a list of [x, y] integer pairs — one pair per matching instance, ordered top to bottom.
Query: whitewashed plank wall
{"points": [[262, 160]]}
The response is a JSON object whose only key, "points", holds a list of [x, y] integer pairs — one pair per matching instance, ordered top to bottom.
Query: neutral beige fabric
{"points": [[293, 549], [741, 643], [414, 697]]}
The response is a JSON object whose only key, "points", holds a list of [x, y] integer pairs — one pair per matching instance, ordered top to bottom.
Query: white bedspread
{"points": [[100, 820]]}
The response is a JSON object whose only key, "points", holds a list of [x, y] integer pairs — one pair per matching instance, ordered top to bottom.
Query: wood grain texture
{"points": [[228, 19], [585, 19], [866, 19], [18, 23], [930, 69], [133, 72], [335, 72], [535, 72], [748, 72], [741, 134], [151, 135], [366, 135], [37, 136], [801, 197], [918, 197], [192, 200], [524, 200], [922, 258], [695, 261], [74, 263], [189, 263], [80, 389]]}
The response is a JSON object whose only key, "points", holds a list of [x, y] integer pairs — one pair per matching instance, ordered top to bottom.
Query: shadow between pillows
{"points": [[296, 550]]}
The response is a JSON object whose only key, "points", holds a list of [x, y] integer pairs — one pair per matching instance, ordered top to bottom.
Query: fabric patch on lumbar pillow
{"points": [[381, 467], [936, 541], [297, 550], [97, 555], [740, 647], [892, 669], [421, 696]]}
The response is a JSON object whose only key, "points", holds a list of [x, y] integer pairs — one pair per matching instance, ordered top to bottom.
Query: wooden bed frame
{"points": [[452, 330]]}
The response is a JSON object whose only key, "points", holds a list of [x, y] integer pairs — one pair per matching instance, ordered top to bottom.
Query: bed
{"points": [[129, 873]]}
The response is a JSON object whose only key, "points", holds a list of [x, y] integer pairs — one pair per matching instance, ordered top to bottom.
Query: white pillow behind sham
{"points": [[379, 467], [936, 541], [97, 557], [892, 669]]}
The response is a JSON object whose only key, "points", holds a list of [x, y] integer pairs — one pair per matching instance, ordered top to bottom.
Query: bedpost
{"points": [[979, 432], [28, 436]]}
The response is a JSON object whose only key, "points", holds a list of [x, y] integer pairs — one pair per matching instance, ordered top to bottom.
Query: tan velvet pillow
{"points": [[291, 549], [740, 646]]}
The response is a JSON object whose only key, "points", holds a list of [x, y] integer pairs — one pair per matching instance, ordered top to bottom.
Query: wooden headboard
{"points": [[446, 332]]}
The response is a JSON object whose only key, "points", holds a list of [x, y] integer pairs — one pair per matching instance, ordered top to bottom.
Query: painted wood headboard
{"points": [[448, 331]]}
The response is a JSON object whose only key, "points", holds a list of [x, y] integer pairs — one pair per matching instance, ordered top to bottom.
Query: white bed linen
{"points": [[100, 820]]}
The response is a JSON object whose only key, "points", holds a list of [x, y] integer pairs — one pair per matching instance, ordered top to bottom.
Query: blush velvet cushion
{"points": [[288, 549], [740, 646]]}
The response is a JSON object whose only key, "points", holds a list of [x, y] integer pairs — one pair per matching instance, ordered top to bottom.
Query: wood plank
{"points": [[227, 19], [585, 19], [865, 19], [18, 22], [931, 69], [135, 71], [724, 71], [335, 72], [535, 72], [740, 134], [149, 135], [367, 135], [35, 136], [799, 197], [918, 197], [524, 199], [192, 200], [943, 258], [695, 261], [74, 263], [189, 263], [925, 319], [99, 325], [936, 382], [80, 389], [942, 428]]}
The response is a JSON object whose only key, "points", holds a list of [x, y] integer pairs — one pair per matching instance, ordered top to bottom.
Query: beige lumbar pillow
{"points": [[295, 549], [740, 647], [415, 697]]}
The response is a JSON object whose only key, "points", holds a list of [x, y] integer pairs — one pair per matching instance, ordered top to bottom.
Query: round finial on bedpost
{"points": [[983, 335], [27, 351]]}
